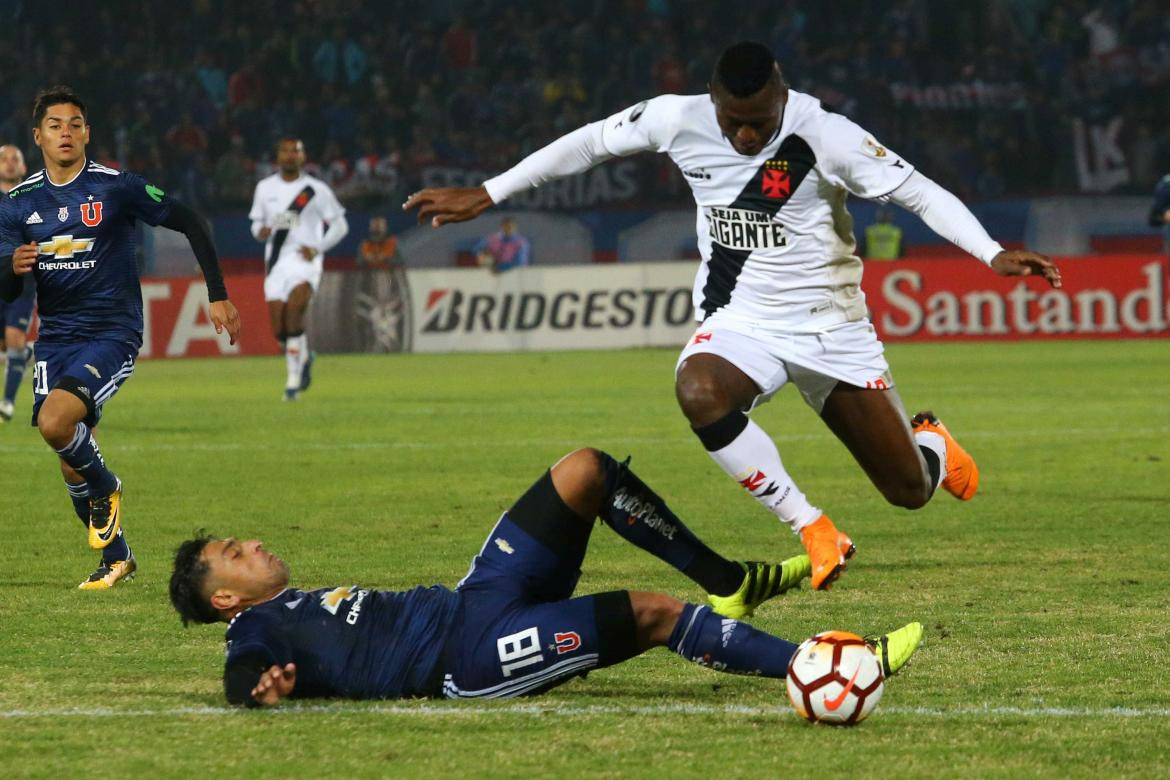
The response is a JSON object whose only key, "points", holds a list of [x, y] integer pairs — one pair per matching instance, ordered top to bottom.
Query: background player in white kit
{"points": [[299, 219], [778, 290]]}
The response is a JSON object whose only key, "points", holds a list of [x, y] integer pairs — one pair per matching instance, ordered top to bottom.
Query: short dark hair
{"points": [[744, 68], [55, 96], [187, 581]]}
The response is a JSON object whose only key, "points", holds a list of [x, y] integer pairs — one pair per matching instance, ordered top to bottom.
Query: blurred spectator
{"points": [[981, 96], [235, 176], [1160, 210], [883, 239], [380, 248], [505, 249]]}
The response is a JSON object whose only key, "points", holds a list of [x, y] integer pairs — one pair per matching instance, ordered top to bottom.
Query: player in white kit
{"points": [[299, 219], [778, 291]]}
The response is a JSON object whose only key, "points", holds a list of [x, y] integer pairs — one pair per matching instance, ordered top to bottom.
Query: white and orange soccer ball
{"points": [[834, 677]]}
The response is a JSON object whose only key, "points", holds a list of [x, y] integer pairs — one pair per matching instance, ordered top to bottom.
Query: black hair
{"points": [[744, 68], [55, 96], [187, 581]]}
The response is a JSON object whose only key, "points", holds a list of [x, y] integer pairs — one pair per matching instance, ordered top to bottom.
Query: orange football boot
{"points": [[962, 475], [826, 551]]}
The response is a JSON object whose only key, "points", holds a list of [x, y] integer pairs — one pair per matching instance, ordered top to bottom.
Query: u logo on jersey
{"points": [[91, 213]]}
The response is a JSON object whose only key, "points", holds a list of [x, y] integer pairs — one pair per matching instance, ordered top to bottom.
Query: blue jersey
{"points": [[86, 273], [350, 642]]}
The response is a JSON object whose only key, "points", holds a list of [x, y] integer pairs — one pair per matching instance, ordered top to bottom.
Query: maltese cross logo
{"points": [[776, 184]]}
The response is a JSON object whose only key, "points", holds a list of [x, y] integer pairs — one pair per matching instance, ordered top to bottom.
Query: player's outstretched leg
{"points": [[949, 464], [639, 515], [700, 635]]}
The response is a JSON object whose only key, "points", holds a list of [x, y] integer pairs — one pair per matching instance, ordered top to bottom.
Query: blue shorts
{"points": [[18, 314], [91, 370], [518, 631]]}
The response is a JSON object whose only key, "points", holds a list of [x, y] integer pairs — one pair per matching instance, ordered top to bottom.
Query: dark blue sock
{"points": [[14, 373], [83, 455], [79, 495], [641, 517], [117, 550], [728, 645]]}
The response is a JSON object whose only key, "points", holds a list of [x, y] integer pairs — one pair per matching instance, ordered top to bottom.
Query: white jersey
{"points": [[297, 212], [776, 240]]}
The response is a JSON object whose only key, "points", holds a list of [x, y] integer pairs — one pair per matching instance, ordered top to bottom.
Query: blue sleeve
{"points": [[143, 200], [11, 233], [525, 254], [256, 636]]}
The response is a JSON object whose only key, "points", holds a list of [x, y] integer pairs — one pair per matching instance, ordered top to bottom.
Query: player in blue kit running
{"points": [[71, 226], [15, 317], [511, 626]]}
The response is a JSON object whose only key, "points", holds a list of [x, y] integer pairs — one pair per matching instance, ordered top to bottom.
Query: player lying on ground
{"points": [[71, 226], [778, 291], [511, 626]]}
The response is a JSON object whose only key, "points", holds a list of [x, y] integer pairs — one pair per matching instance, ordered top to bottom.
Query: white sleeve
{"points": [[641, 128], [578, 151], [850, 157], [331, 208], [257, 213], [946, 215], [338, 228]]}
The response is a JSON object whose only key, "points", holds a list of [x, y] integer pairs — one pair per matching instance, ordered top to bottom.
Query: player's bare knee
{"points": [[700, 397], [56, 426], [579, 479], [656, 615]]}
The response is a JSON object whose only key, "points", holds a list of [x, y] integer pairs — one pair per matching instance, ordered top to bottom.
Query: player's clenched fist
{"points": [[24, 259]]}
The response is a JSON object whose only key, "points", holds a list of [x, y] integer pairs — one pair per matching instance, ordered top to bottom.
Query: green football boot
{"points": [[761, 582], [895, 648]]}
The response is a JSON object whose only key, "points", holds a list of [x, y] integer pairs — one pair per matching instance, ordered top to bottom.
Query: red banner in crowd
{"points": [[1106, 296], [176, 321]]}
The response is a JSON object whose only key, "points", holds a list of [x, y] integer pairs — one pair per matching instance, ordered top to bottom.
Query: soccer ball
{"points": [[834, 677]]}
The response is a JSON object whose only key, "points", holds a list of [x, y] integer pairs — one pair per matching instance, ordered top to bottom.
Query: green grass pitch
{"points": [[1045, 598]]}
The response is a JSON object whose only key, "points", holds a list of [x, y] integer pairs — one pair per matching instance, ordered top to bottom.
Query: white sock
{"points": [[296, 351], [938, 445], [752, 460]]}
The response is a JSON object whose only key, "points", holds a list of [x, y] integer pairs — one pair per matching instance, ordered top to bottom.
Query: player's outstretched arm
{"points": [[574, 153], [946, 215], [222, 312]]}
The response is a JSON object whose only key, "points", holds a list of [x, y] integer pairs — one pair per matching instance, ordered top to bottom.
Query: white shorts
{"points": [[289, 273], [814, 362]]}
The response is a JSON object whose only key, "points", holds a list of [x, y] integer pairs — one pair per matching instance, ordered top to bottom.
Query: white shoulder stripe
{"points": [[99, 168], [34, 178]]}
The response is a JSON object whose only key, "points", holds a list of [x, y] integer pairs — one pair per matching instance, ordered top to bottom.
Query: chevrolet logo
{"points": [[64, 246]]}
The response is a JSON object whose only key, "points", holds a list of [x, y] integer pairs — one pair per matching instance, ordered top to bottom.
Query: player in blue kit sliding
{"points": [[71, 225], [511, 627]]}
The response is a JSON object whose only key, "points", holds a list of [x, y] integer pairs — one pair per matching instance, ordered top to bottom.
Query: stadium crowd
{"points": [[981, 96]]}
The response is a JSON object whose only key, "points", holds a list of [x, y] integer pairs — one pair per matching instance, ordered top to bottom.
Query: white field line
{"points": [[258, 446], [570, 710]]}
